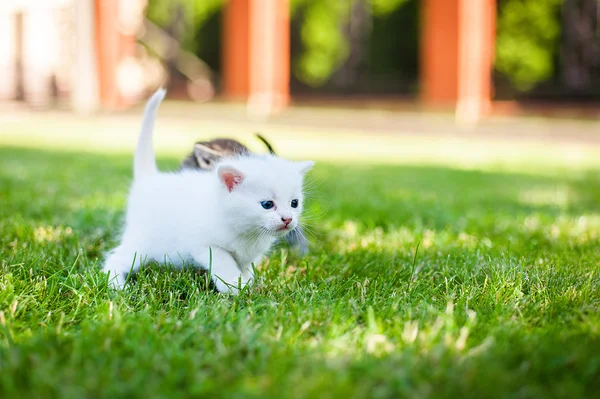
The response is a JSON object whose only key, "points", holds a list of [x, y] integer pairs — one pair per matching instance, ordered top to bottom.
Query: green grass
{"points": [[423, 281]]}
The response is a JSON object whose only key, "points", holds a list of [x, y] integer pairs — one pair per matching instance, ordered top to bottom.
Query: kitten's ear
{"points": [[204, 151], [205, 156], [305, 166], [230, 176]]}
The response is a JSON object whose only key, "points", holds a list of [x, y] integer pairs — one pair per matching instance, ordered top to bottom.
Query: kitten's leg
{"points": [[118, 264], [248, 269], [224, 270], [247, 274]]}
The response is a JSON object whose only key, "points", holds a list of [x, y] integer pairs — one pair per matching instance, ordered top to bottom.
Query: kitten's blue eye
{"points": [[295, 203], [267, 204]]}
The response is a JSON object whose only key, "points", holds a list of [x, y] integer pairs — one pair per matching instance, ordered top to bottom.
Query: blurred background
{"points": [[470, 57]]}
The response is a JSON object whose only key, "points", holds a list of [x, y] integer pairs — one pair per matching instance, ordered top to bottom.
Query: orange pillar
{"points": [[113, 46], [236, 49], [256, 53], [457, 55]]}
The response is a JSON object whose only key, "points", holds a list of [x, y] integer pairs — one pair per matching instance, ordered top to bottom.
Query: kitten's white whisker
{"points": [[308, 232]]}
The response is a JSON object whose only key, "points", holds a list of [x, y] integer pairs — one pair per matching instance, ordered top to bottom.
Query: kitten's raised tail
{"points": [[144, 162]]}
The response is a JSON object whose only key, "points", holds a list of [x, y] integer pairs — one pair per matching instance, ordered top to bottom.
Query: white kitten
{"points": [[231, 215]]}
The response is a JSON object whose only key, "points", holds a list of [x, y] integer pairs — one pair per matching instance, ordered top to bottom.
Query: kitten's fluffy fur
{"points": [[206, 154], [184, 216]]}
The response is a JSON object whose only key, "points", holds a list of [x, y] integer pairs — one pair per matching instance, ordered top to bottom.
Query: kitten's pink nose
{"points": [[286, 221]]}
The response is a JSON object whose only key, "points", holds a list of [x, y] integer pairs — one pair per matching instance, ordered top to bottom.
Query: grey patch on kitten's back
{"points": [[206, 154]]}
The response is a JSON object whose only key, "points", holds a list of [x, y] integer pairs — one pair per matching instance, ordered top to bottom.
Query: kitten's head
{"points": [[208, 153], [262, 194]]}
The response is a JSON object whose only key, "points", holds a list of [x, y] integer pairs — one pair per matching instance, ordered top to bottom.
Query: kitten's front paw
{"points": [[247, 276], [116, 280], [225, 288], [231, 288]]}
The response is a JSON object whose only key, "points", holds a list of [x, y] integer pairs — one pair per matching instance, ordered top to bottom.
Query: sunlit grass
{"points": [[449, 277]]}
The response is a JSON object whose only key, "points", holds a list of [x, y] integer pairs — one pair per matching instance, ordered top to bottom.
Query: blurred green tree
{"points": [[195, 14], [323, 30], [328, 37], [528, 39], [324, 44], [527, 46]]}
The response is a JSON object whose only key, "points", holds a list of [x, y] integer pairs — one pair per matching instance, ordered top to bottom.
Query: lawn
{"points": [[423, 281]]}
